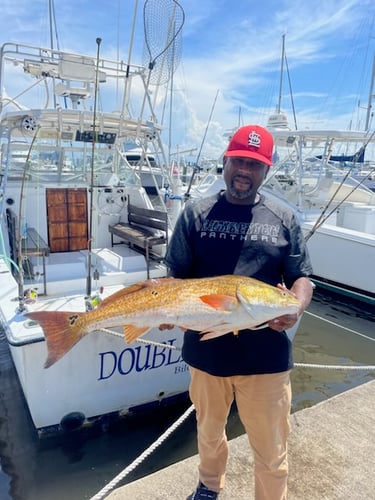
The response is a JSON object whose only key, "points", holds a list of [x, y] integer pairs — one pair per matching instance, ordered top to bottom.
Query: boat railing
{"points": [[68, 66], [66, 75]]}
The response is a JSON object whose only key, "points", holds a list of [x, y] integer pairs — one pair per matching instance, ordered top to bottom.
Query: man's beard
{"points": [[240, 195]]}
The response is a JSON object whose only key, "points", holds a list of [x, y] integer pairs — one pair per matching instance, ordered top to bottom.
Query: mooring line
{"points": [[340, 326], [142, 341], [335, 367], [112, 484], [104, 492]]}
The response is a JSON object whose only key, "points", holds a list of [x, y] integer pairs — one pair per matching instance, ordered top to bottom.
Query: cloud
{"points": [[233, 48]]}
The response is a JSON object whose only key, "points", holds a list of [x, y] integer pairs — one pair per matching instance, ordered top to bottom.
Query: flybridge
{"points": [[65, 75], [51, 106]]}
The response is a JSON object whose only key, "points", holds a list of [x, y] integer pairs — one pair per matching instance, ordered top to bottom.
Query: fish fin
{"points": [[220, 302], [259, 327], [60, 331], [216, 331], [132, 332], [213, 334], [207, 335]]}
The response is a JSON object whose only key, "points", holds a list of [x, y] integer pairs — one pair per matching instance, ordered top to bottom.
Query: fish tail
{"points": [[60, 331]]}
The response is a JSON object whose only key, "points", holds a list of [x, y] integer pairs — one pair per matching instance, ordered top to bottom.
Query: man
{"points": [[240, 231]]}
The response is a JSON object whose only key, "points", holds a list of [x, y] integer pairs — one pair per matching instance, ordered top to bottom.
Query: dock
{"points": [[331, 457]]}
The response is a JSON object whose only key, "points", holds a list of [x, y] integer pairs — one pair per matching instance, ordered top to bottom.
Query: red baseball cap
{"points": [[252, 141]]}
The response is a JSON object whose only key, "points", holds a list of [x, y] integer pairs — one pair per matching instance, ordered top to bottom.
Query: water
{"points": [[79, 464]]}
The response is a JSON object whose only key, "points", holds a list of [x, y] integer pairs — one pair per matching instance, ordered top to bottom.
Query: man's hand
{"points": [[302, 290], [283, 322], [166, 326], [169, 326]]}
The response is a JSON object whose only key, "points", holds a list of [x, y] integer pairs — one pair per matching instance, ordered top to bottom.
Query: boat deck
{"points": [[331, 455]]}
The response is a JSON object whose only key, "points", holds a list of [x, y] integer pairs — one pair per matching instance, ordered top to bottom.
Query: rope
{"points": [[340, 326], [144, 341], [160, 344], [297, 365], [335, 367], [112, 484], [104, 492]]}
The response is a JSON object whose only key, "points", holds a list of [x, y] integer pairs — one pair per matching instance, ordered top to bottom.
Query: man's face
{"points": [[243, 177]]}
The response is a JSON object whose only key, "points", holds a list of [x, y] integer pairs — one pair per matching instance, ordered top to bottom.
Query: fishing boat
{"points": [[67, 175], [337, 212]]}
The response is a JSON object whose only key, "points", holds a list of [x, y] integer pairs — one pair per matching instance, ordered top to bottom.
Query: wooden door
{"points": [[67, 219]]}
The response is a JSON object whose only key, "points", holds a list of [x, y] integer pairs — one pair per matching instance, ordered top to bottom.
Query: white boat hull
{"points": [[316, 181], [343, 257], [100, 375]]}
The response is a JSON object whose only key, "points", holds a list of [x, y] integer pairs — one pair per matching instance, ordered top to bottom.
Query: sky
{"points": [[229, 58]]}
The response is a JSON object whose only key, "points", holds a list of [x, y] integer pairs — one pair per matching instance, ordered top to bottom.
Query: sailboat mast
{"points": [[50, 9], [370, 96], [278, 108], [278, 119]]}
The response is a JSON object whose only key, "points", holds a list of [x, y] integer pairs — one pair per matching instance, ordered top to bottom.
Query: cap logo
{"points": [[254, 139]]}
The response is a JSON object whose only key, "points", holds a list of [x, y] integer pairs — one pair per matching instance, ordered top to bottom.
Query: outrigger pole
{"points": [[196, 166], [22, 227], [89, 239]]}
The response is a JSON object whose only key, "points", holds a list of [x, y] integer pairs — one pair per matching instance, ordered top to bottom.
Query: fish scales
{"points": [[212, 306]]}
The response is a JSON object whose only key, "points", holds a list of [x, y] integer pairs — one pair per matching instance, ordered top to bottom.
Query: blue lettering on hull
{"points": [[140, 358]]}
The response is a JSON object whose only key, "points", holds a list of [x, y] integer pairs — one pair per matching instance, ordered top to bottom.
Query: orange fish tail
{"points": [[60, 331]]}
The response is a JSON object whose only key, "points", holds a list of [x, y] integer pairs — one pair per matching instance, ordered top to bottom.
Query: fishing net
{"points": [[163, 21]]}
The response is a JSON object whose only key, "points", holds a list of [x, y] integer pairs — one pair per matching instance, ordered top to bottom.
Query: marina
{"points": [[89, 195], [78, 226], [84, 461]]}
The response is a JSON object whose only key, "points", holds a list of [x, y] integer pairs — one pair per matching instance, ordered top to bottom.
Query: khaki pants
{"points": [[263, 403]]}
